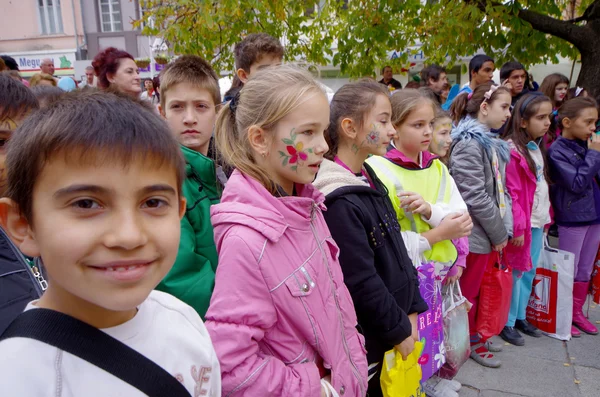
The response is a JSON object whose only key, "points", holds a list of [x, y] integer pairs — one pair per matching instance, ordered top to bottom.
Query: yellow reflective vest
{"points": [[433, 184]]}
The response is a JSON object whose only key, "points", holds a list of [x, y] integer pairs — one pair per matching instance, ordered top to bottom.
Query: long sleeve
{"points": [[469, 174], [575, 179], [513, 185], [440, 210], [192, 277], [373, 302], [240, 314]]}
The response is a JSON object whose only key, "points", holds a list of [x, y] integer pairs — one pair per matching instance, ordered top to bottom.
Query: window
{"points": [[50, 16], [110, 16]]}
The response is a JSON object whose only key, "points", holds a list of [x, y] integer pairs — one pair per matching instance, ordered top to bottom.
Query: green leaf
{"points": [[288, 141], [281, 154], [285, 161], [294, 168]]}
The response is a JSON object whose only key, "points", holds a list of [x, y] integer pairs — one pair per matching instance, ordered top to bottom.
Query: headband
{"points": [[491, 91], [578, 91], [526, 102]]}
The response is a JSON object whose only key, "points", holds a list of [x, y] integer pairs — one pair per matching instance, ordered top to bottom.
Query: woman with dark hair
{"points": [[117, 70]]}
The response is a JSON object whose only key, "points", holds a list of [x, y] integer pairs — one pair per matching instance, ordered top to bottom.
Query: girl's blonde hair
{"points": [[263, 101], [405, 101]]}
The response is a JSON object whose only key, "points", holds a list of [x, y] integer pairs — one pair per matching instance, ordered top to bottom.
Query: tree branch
{"points": [[565, 30]]}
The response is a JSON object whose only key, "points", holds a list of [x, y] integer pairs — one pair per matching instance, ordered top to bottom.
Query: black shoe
{"points": [[525, 327], [512, 336]]}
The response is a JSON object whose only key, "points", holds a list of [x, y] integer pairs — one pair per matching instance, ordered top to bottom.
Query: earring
{"points": [[264, 154]]}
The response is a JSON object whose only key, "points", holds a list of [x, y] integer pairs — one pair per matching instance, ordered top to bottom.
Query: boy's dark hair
{"points": [[253, 47], [10, 62], [477, 62], [510, 67], [191, 70], [431, 72], [46, 94], [15, 98], [353, 100], [469, 104], [572, 108], [524, 110], [121, 129]]}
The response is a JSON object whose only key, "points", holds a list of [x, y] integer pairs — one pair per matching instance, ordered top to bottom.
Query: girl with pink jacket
{"points": [[528, 188], [281, 319]]}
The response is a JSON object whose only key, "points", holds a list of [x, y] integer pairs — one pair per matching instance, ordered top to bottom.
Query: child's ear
{"points": [[242, 75], [484, 108], [162, 112], [566, 122], [524, 124], [349, 128], [259, 140], [182, 203], [17, 227]]}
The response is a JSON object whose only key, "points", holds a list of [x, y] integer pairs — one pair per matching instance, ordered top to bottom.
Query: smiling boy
{"points": [[189, 98], [99, 200]]}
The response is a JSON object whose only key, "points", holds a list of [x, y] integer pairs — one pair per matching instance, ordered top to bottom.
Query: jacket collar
{"points": [[470, 128], [397, 157], [198, 165], [247, 202]]}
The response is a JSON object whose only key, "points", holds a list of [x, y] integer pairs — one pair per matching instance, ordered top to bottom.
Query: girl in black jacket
{"points": [[377, 269]]}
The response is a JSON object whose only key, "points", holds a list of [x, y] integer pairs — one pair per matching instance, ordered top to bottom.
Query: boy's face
{"points": [[265, 61], [190, 113], [7, 126], [107, 234]]}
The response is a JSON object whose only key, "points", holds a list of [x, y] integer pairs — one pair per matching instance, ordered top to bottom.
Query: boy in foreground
{"points": [[189, 98], [99, 199]]}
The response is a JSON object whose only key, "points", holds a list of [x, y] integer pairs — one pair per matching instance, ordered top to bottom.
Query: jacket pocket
{"points": [[301, 282]]}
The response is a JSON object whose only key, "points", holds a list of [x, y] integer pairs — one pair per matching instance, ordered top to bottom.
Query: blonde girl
{"points": [[281, 319]]}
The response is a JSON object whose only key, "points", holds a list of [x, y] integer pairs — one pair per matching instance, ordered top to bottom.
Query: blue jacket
{"points": [[575, 173]]}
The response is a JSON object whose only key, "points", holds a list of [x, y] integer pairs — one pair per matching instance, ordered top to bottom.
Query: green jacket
{"points": [[192, 277]]}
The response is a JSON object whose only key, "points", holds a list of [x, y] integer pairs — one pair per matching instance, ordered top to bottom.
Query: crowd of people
{"points": [[270, 245]]}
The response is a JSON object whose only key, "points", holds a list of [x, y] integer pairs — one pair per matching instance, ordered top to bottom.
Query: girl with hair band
{"points": [[478, 159]]}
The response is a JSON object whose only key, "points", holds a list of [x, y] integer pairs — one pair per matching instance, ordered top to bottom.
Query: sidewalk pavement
{"points": [[544, 367]]}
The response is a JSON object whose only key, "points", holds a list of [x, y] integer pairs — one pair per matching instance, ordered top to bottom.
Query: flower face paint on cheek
{"points": [[295, 153]]}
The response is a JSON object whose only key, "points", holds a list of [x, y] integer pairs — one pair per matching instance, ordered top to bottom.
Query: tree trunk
{"points": [[589, 76]]}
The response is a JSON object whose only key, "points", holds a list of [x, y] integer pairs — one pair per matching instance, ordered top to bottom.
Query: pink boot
{"points": [[580, 292], [575, 332]]}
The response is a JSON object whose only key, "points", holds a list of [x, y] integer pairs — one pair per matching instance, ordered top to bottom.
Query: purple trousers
{"points": [[583, 241]]}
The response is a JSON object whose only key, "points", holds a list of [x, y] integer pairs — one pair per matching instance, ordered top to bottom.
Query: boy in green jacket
{"points": [[189, 96]]}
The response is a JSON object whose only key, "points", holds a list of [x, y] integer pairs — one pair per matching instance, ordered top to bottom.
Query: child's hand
{"points": [[594, 142], [414, 202], [456, 226], [518, 241], [500, 246], [456, 277], [414, 317], [406, 347]]}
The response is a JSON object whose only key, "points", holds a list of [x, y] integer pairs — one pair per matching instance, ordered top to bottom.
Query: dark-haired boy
{"points": [[257, 51], [189, 98], [99, 200]]}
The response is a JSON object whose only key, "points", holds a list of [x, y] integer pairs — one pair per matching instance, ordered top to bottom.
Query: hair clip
{"points": [[491, 91], [578, 91], [470, 95], [234, 101]]}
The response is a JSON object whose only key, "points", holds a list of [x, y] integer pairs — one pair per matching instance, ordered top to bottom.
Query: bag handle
{"points": [[547, 246], [96, 347], [329, 390]]}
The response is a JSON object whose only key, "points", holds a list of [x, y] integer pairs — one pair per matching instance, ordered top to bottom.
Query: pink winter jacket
{"points": [[521, 183], [280, 307]]}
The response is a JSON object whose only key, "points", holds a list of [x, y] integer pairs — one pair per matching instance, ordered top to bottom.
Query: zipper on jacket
{"points": [[36, 277], [337, 303]]}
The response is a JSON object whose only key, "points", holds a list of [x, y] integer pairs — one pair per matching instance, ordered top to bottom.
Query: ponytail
{"points": [[468, 104]]}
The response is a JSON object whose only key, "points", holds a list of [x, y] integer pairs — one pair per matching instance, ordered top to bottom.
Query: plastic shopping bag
{"points": [[595, 283], [494, 299], [550, 306], [430, 323], [456, 330], [401, 378]]}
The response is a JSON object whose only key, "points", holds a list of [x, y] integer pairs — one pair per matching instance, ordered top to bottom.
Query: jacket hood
{"points": [[470, 128], [398, 158], [333, 176], [246, 202]]}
